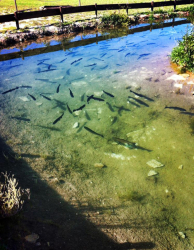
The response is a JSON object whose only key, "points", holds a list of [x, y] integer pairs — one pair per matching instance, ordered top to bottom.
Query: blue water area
{"points": [[115, 116]]}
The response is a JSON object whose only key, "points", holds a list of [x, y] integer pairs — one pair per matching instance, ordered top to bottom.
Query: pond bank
{"points": [[12, 37]]}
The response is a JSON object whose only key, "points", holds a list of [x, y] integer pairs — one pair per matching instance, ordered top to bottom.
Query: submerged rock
{"points": [[76, 125], [154, 164], [98, 165], [152, 173], [32, 238]]}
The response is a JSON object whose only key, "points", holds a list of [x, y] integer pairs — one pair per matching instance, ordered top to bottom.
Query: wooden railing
{"points": [[63, 10]]}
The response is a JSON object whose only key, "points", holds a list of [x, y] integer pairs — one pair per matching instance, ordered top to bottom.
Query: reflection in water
{"points": [[114, 104]]}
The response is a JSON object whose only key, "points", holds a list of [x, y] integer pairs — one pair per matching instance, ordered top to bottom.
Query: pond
{"points": [[109, 125]]}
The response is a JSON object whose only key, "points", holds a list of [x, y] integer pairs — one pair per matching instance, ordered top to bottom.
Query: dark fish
{"points": [[120, 50], [127, 54], [103, 55], [143, 55], [95, 58], [42, 60], [63, 60], [76, 60], [90, 65], [10, 67], [104, 67], [46, 70], [117, 71], [68, 72], [77, 79], [43, 80], [26, 87], [58, 88], [10, 90], [71, 93], [108, 94], [140, 95], [32, 97], [82, 97], [89, 98], [49, 99], [98, 99], [139, 101], [133, 103], [110, 106], [80, 108], [176, 108], [69, 109], [121, 109], [187, 113], [87, 116], [20, 118], [58, 119], [114, 120], [93, 132], [130, 145]]}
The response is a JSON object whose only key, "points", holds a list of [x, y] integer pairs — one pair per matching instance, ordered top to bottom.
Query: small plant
{"points": [[116, 19], [183, 54], [11, 196]]}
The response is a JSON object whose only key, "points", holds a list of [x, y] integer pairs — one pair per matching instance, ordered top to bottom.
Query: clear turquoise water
{"points": [[138, 62]]}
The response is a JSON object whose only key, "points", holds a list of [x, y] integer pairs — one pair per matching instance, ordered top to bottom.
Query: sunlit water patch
{"points": [[96, 119]]}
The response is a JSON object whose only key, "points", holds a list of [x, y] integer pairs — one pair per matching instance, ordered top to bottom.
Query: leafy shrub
{"points": [[116, 19], [183, 54]]}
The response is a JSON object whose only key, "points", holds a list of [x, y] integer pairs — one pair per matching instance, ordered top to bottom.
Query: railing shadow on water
{"points": [[66, 44], [58, 224]]}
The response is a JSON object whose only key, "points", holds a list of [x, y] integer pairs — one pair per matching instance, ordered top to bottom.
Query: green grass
{"points": [[9, 6]]}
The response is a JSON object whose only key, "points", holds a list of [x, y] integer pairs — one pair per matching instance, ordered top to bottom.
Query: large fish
{"points": [[10, 90], [140, 95], [139, 101], [176, 108], [58, 119], [93, 132], [128, 144]]}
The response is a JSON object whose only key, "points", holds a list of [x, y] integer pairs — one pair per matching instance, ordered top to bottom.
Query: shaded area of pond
{"points": [[88, 121]]}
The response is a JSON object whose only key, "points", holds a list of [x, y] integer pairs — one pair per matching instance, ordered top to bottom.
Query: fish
{"points": [[120, 50], [127, 54], [103, 55], [143, 55], [95, 58], [42, 60], [62, 60], [76, 61], [90, 65], [10, 67], [104, 67], [46, 70], [117, 71], [68, 72], [43, 80], [25, 87], [58, 88], [10, 90], [71, 93], [108, 94], [140, 95], [32, 97], [82, 97], [89, 98], [49, 99], [97, 99], [139, 101], [133, 103], [110, 106], [80, 108], [176, 108], [69, 109], [121, 109], [187, 113], [87, 116], [20, 118], [115, 118], [58, 119], [93, 132], [128, 144]]}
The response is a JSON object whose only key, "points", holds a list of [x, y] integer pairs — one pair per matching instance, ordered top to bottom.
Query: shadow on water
{"points": [[58, 224]]}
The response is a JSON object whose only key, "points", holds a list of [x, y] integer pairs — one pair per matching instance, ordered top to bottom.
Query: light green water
{"points": [[67, 157]]}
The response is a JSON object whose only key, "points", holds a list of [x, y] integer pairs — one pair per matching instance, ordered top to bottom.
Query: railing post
{"points": [[152, 5], [174, 5], [127, 8], [96, 9], [61, 13], [16, 19]]}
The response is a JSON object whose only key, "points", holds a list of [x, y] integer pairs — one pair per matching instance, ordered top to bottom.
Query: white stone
{"points": [[176, 78], [191, 82], [178, 85], [98, 94], [24, 98], [38, 103], [76, 125], [154, 164], [98, 165], [180, 167], [152, 173], [183, 236], [32, 238]]}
